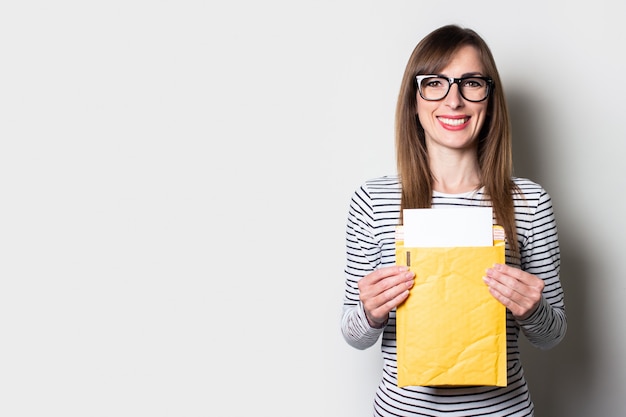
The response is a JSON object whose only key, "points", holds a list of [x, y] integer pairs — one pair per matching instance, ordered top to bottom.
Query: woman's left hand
{"points": [[517, 290]]}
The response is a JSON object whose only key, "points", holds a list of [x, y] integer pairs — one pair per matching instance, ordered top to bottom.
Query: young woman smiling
{"points": [[453, 146]]}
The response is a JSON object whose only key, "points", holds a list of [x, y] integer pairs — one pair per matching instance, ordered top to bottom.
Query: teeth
{"points": [[453, 122]]}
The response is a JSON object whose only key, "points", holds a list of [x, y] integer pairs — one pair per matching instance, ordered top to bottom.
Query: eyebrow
{"points": [[467, 74]]}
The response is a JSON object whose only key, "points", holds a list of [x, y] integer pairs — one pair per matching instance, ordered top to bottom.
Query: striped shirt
{"points": [[370, 244]]}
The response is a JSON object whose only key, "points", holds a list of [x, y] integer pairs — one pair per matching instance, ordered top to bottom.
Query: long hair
{"points": [[495, 159]]}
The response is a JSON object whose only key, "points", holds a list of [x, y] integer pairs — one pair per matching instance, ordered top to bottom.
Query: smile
{"points": [[453, 122]]}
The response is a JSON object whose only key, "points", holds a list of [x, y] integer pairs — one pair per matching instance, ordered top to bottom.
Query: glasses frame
{"points": [[452, 80]]}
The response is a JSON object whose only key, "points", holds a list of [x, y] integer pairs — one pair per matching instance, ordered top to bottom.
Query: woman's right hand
{"points": [[383, 290]]}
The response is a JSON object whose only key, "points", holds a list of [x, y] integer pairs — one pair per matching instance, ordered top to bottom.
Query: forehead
{"points": [[465, 60]]}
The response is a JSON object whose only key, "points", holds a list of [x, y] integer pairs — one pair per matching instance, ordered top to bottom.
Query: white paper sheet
{"points": [[448, 227]]}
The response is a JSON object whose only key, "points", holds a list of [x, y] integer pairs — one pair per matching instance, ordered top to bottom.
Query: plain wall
{"points": [[174, 184]]}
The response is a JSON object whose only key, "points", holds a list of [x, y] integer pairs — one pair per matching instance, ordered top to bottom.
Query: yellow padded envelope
{"points": [[450, 330]]}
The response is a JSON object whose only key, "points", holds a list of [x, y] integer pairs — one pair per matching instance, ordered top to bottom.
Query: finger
{"points": [[386, 272], [515, 278], [381, 280], [508, 288], [389, 293], [519, 298], [504, 299], [387, 301], [520, 308]]}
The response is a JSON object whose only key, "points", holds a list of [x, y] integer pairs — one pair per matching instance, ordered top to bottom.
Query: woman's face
{"points": [[453, 122]]}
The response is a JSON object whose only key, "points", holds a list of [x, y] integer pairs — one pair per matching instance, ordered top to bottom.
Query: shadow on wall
{"points": [[557, 376]]}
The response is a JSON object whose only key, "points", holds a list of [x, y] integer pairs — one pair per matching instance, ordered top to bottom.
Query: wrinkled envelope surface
{"points": [[451, 330]]}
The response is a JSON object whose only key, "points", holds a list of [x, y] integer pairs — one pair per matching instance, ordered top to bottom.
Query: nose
{"points": [[454, 98]]}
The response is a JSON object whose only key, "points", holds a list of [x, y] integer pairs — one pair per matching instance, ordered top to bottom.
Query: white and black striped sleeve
{"points": [[363, 255], [540, 256]]}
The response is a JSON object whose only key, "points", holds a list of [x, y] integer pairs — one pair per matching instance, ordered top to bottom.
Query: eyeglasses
{"points": [[437, 87]]}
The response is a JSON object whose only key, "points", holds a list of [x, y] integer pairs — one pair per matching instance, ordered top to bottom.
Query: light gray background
{"points": [[175, 177]]}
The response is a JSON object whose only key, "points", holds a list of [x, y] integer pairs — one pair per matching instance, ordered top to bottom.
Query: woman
{"points": [[453, 145]]}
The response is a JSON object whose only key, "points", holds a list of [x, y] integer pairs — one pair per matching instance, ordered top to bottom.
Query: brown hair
{"points": [[495, 159]]}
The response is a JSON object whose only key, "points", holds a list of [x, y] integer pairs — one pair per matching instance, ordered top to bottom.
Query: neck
{"points": [[456, 175], [456, 187]]}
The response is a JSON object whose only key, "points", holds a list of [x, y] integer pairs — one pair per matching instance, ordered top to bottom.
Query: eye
{"points": [[434, 83], [473, 83]]}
